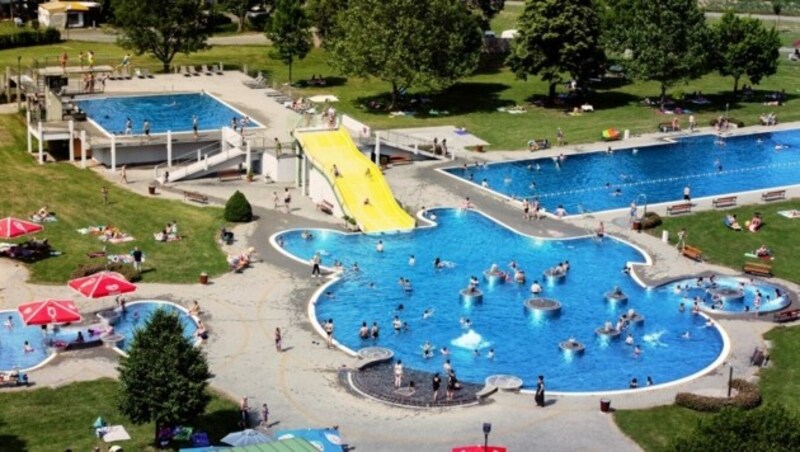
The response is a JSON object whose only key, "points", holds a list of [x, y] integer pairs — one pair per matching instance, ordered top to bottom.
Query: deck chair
{"points": [[217, 69], [204, 70], [185, 71], [193, 71], [139, 73], [146, 73], [260, 82]]}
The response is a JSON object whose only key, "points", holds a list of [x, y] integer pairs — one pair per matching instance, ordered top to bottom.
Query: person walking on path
{"points": [[560, 137], [123, 175], [687, 193], [104, 194], [275, 200], [287, 200], [681, 240], [137, 259], [315, 261], [329, 333], [278, 342], [398, 374], [435, 384], [539, 397], [244, 410], [265, 415]]}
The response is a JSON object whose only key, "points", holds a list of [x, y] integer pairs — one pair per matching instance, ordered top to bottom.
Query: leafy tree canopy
{"points": [[486, 9], [323, 15], [162, 29], [289, 32], [556, 37], [668, 39], [407, 42], [745, 47], [164, 377], [772, 428]]}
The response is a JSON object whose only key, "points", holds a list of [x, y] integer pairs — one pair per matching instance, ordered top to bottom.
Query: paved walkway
{"points": [[98, 35], [301, 385]]}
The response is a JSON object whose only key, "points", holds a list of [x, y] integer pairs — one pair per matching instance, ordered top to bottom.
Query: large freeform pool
{"points": [[167, 112], [602, 181], [525, 343]]}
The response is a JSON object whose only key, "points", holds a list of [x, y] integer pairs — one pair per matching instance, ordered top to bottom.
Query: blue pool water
{"points": [[165, 112], [660, 172], [738, 296], [12, 339], [525, 344]]}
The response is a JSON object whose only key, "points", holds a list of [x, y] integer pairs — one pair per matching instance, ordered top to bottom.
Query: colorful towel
{"points": [[789, 213], [90, 230], [124, 238], [755, 256], [123, 258], [115, 433]]}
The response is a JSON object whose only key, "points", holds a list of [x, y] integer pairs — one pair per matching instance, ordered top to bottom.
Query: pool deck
{"points": [[302, 384]]}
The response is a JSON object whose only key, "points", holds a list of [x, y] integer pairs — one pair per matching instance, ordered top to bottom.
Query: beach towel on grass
{"points": [[789, 213], [124, 238], [755, 256], [123, 258], [116, 433]]}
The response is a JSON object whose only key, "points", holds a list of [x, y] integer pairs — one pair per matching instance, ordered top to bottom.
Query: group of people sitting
{"points": [[768, 119], [43, 215], [753, 225], [168, 234], [30, 250], [763, 252], [241, 261]]}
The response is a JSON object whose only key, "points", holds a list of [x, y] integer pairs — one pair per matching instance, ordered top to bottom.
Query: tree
{"points": [[777, 8], [239, 9], [486, 9], [323, 15], [162, 29], [289, 32], [556, 37], [668, 39], [407, 42], [744, 46], [238, 208], [164, 377], [772, 428]]}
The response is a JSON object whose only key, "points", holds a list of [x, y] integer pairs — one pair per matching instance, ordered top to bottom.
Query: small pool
{"points": [[173, 112], [653, 174], [729, 295], [13, 339], [525, 342]]}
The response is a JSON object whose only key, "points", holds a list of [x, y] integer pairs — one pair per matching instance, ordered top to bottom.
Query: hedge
{"points": [[29, 38], [651, 220], [123, 269], [748, 397]]}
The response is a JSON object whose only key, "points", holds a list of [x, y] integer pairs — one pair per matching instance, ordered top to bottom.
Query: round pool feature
{"points": [[555, 275], [495, 277], [726, 294], [471, 296], [616, 296], [544, 305], [136, 315], [109, 317], [632, 317], [503, 323], [611, 333], [112, 340], [571, 345], [504, 382]]}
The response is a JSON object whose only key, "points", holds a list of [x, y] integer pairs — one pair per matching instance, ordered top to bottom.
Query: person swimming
{"points": [[306, 235], [412, 260], [437, 263], [536, 288], [427, 313], [465, 322], [397, 324], [374, 331], [363, 332], [686, 335], [629, 339], [427, 350], [444, 351], [636, 351], [490, 355]]}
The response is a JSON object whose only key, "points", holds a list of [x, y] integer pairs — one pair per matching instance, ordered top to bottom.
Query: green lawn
{"points": [[507, 18], [74, 195], [726, 247], [55, 419], [655, 428]]}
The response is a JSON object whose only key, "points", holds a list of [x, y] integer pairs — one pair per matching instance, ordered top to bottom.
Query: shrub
{"points": [[29, 38], [238, 209], [651, 220], [123, 269], [748, 397]]}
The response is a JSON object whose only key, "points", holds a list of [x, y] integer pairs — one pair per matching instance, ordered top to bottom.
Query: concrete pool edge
{"points": [[335, 276]]}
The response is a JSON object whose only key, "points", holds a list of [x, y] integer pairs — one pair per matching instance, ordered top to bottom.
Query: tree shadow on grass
{"points": [[459, 99], [599, 100], [219, 423], [11, 442]]}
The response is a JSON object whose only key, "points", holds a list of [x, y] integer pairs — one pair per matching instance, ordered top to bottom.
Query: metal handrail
{"points": [[183, 158]]}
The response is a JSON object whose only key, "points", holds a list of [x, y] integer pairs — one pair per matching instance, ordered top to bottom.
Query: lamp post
{"points": [[19, 80], [487, 428]]}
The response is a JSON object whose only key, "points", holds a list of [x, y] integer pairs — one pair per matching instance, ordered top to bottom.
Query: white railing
{"points": [[195, 155], [206, 162]]}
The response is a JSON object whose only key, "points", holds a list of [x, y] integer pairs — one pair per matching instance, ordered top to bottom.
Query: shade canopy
{"points": [[11, 227], [102, 284], [49, 311], [247, 437], [324, 439]]}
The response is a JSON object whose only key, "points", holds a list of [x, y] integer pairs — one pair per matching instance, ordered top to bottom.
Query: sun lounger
{"points": [[217, 69], [204, 70], [185, 71], [193, 71], [139, 73], [146, 73], [260, 82]]}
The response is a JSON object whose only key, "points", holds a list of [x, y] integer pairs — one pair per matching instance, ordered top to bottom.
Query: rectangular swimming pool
{"points": [[167, 112], [599, 181]]}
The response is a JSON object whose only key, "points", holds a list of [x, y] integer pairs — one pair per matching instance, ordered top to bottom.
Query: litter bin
{"points": [[479, 148], [151, 189], [636, 225], [204, 278], [605, 405]]}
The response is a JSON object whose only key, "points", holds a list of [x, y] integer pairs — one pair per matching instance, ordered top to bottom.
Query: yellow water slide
{"points": [[364, 193]]}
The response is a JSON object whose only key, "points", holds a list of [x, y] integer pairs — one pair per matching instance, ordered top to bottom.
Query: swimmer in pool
{"points": [[379, 246], [412, 260], [437, 263], [355, 267], [536, 288], [400, 307], [427, 313], [465, 322], [397, 324], [363, 332], [686, 335], [629, 339], [427, 350], [444, 351], [636, 351], [490, 355]]}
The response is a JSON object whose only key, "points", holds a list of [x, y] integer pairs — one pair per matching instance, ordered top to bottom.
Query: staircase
{"points": [[208, 158], [207, 163]]}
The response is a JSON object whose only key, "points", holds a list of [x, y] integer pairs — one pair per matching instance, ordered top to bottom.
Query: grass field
{"points": [[74, 195], [726, 247], [55, 419], [654, 429]]}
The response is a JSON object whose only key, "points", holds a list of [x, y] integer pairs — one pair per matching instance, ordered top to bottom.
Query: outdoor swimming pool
{"points": [[165, 112], [589, 182], [729, 295], [12, 339], [526, 344]]}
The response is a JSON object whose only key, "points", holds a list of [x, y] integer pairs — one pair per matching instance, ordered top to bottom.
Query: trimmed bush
{"points": [[29, 38], [238, 209], [651, 220], [123, 269], [748, 397]]}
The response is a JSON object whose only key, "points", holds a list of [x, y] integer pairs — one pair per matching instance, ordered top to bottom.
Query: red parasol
{"points": [[11, 227], [102, 284], [49, 311], [479, 449]]}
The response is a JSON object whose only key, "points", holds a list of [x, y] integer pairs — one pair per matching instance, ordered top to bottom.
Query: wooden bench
{"points": [[232, 174], [773, 195], [195, 196], [724, 202], [325, 206], [685, 207], [692, 253], [757, 268], [786, 316]]}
